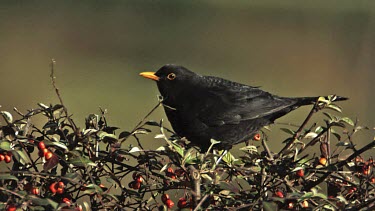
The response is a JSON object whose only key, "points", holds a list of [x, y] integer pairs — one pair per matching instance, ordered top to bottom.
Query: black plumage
{"points": [[204, 107]]}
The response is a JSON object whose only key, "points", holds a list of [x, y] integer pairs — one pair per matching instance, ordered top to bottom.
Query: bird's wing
{"points": [[227, 102]]}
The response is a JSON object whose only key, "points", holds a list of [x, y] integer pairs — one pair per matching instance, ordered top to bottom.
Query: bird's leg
{"points": [[221, 157]]}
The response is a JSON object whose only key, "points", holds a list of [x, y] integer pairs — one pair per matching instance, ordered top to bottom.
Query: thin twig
{"points": [[58, 94], [142, 121], [297, 133], [201, 202]]}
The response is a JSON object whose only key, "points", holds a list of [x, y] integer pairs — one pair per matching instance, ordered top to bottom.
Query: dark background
{"points": [[290, 48]]}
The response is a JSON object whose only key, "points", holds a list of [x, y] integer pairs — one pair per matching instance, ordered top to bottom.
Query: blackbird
{"points": [[202, 108]]}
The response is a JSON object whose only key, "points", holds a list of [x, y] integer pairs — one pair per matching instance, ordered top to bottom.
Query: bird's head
{"points": [[173, 81]]}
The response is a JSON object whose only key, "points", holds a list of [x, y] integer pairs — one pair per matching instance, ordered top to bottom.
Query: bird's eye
{"points": [[171, 76]]}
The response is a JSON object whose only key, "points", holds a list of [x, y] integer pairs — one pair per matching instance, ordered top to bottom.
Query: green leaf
{"points": [[323, 100], [43, 106], [334, 107], [7, 116], [347, 120], [152, 123], [319, 129], [287, 130], [89, 131], [142, 131], [124, 134], [311, 135], [160, 136], [59, 144], [5, 145], [162, 148], [249, 148], [134, 149], [179, 149], [188, 156], [21, 157], [229, 158], [81, 161], [205, 176], [8, 177], [75, 177], [92, 188], [111, 196], [43, 201], [86, 206], [269, 206]]}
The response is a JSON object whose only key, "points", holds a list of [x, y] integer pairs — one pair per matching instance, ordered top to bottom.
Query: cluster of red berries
{"points": [[43, 151], [6, 156], [364, 167], [137, 181], [57, 187], [167, 201], [182, 202], [69, 203], [290, 204]]}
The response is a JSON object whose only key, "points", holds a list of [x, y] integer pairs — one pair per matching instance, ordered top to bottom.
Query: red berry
{"points": [[257, 137], [31, 141], [41, 145], [48, 155], [2, 157], [7, 158], [120, 158], [323, 161], [366, 169], [170, 170], [170, 173], [300, 173], [139, 179], [135, 185], [52, 187], [60, 187], [60, 190], [352, 190], [35, 191], [279, 194], [164, 198], [67, 201], [169, 203], [182, 203], [305, 204], [290, 205], [11, 207], [79, 208]]}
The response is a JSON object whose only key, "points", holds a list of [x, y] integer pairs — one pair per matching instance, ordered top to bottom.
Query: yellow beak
{"points": [[150, 75]]}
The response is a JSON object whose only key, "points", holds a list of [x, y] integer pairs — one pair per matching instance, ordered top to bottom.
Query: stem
{"points": [[58, 94], [297, 134]]}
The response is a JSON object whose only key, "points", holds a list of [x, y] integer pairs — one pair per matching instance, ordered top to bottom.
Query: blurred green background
{"points": [[290, 48]]}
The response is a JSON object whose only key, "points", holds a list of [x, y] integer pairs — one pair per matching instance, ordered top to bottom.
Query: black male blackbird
{"points": [[202, 108]]}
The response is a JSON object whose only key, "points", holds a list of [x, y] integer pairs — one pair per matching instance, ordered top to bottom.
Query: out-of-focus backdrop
{"points": [[290, 48]]}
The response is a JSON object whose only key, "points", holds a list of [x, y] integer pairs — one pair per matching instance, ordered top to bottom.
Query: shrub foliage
{"points": [[60, 166]]}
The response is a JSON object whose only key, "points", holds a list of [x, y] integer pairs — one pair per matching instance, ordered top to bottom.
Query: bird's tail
{"points": [[311, 100]]}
